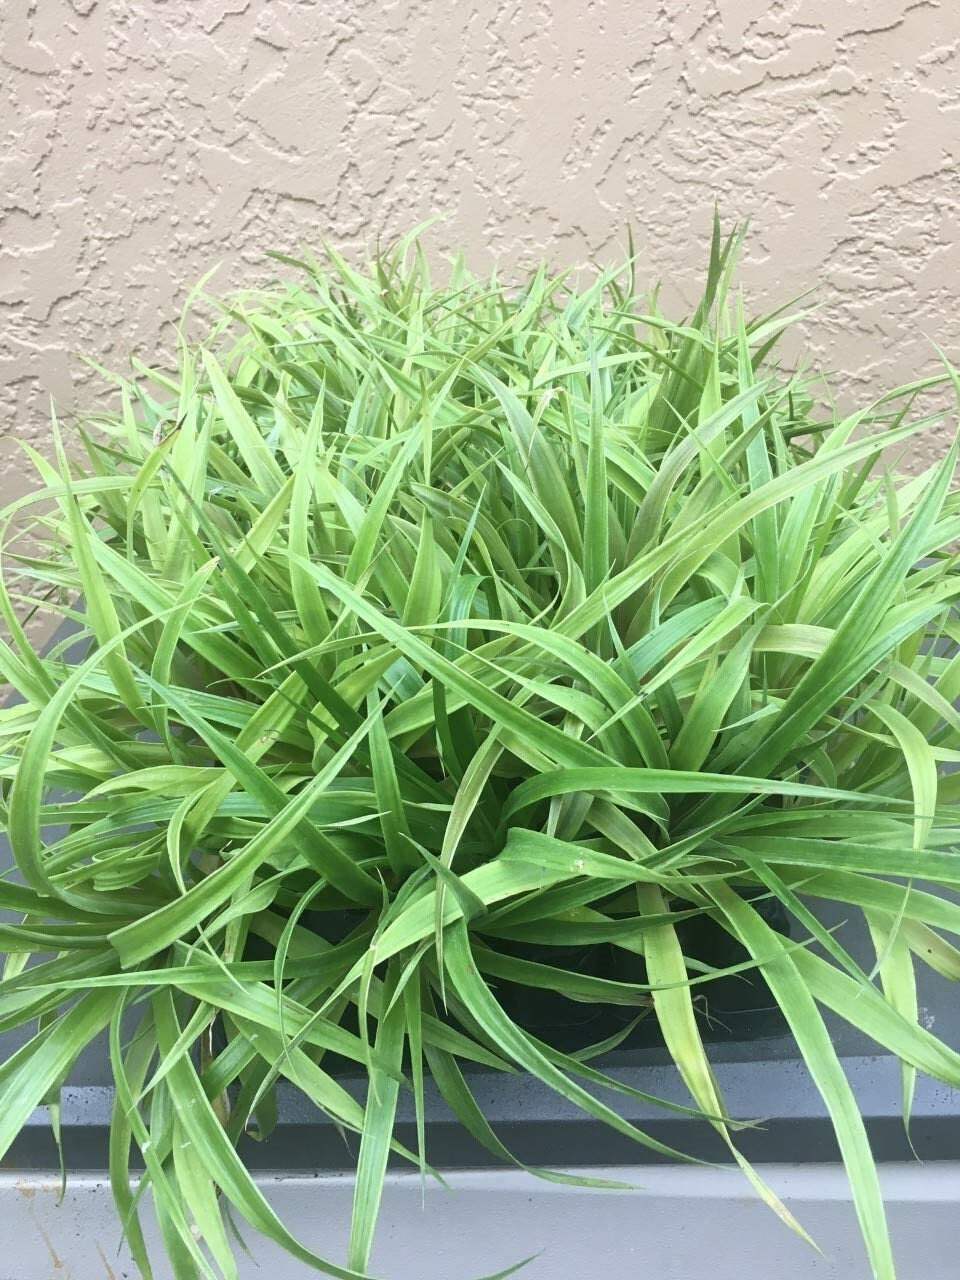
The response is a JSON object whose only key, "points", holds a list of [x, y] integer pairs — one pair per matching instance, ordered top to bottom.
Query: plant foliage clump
{"points": [[422, 633]]}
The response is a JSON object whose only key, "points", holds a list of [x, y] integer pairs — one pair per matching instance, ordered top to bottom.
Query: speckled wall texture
{"points": [[147, 141]]}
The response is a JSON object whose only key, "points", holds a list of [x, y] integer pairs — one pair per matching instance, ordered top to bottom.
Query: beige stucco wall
{"points": [[149, 140]]}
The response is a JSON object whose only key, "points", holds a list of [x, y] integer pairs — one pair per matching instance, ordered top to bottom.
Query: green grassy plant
{"points": [[429, 621]]}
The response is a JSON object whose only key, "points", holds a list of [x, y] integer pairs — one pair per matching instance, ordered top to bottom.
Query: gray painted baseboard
{"points": [[677, 1224]]}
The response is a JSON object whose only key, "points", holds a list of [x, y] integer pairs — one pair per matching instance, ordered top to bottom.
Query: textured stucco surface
{"points": [[146, 141]]}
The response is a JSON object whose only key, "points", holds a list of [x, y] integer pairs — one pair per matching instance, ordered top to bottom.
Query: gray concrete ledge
{"points": [[677, 1224]]}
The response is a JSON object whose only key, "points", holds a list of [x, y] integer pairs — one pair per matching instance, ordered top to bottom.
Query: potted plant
{"points": [[473, 677]]}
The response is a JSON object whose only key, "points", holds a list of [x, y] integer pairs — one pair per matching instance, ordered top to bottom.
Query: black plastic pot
{"points": [[562, 1022], [567, 1024]]}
